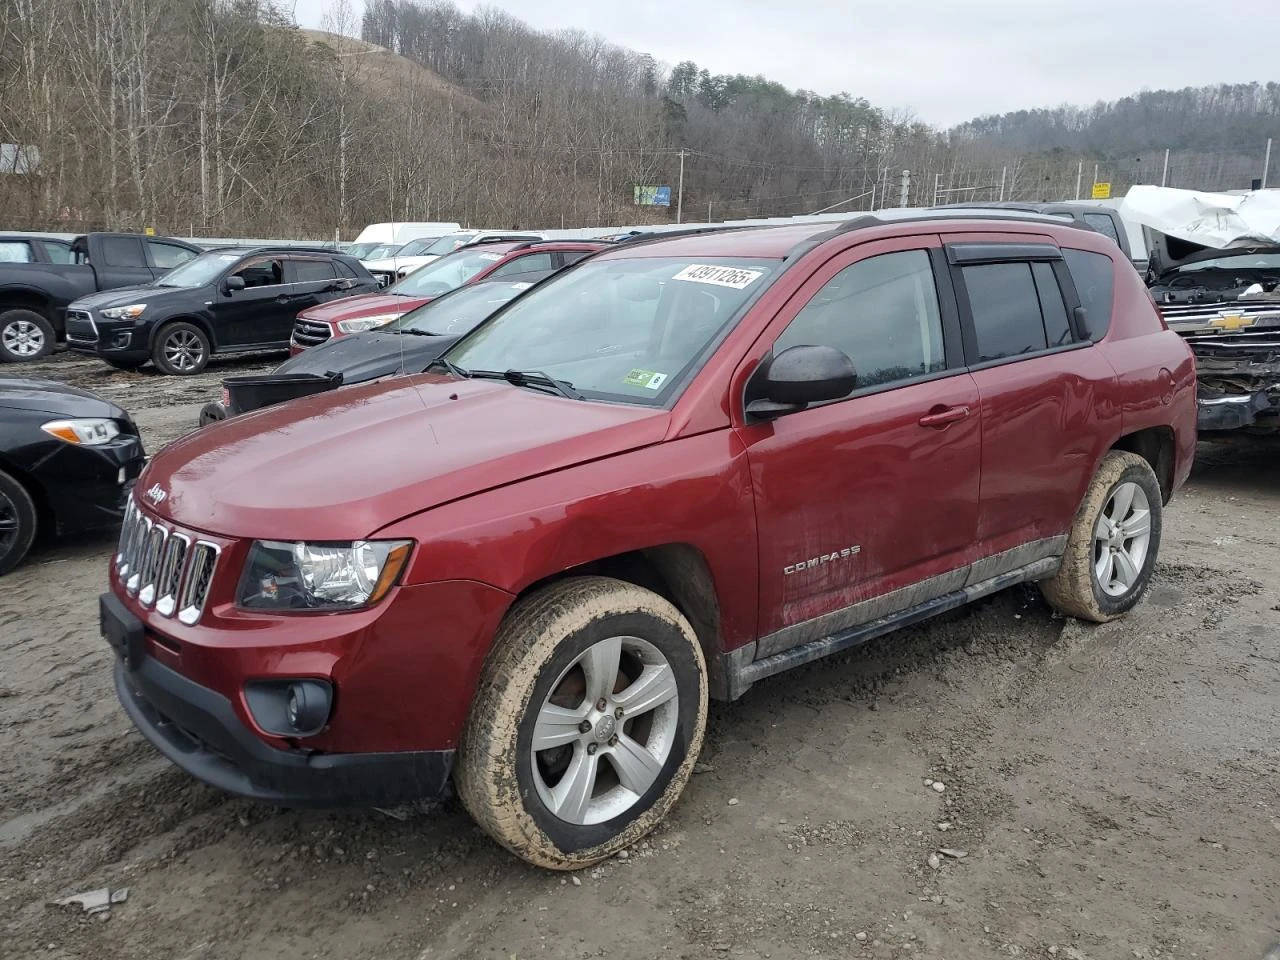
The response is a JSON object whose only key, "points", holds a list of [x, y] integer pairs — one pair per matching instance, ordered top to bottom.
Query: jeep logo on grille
{"points": [[156, 494]]}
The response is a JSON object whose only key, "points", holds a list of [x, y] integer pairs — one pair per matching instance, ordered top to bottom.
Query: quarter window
{"points": [[15, 251], [1094, 277], [1053, 309], [882, 313]]}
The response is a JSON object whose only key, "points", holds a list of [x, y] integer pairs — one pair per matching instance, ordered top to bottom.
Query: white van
{"points": [[380, 240]]}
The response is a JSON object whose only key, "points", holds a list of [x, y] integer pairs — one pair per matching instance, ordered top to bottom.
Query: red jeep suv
{"points": [[677, 469]]}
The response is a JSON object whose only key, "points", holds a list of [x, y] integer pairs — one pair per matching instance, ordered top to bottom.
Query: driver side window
{"points": [[263, 272], [882, 313]]}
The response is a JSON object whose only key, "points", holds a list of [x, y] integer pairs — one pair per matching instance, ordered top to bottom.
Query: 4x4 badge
{"points": [[156, 494]]}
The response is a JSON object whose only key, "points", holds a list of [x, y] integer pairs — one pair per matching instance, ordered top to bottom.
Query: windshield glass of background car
{"points": [[448, 244], [417, 248], [1242, 261], [198, 272], [445, 274], [460, 311], [624, 330]]}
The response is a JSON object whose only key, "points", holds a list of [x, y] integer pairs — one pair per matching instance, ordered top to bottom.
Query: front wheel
{"points": [[25, 335], [181, 349], [17, 522], [1111, 550], [588, 720]]}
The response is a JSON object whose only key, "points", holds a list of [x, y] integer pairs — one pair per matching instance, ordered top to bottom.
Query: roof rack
{"points": [[275, 248]]}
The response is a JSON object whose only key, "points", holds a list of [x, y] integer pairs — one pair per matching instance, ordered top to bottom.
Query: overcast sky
{"points": [[945, 60]]}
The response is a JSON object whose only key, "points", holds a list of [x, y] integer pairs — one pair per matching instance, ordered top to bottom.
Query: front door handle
{"points": [[941, 416]]}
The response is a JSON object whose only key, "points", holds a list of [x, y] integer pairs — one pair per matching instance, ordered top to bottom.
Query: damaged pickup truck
{"points": [[1223, 297]]}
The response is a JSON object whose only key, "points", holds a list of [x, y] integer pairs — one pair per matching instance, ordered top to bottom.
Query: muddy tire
{"points": [[25, 335], [180, 349], [18, 521], [1111, 550], [589, 717]]}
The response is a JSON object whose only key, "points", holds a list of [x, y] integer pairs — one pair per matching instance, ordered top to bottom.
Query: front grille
{"points": [[385, 278], [1202, 313], [80, 327], [308, 333], [163, 567]]}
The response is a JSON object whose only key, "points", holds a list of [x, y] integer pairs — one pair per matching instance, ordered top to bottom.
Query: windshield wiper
{"points": [[415, 333], [449, 365], [530, 378]]}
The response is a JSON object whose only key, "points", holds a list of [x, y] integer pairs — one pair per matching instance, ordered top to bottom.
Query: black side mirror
{"points": [[344, 283], [232, 284], [797, 377]]}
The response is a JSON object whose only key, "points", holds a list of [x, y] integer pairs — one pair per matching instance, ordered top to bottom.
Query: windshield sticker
{"points": [[490, 256], [734, 277], [649, 379]]}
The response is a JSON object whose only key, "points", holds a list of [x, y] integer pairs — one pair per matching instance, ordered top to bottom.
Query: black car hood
{"points": [[1168, 254], [125, 296], [369, 355], [49, 396]]}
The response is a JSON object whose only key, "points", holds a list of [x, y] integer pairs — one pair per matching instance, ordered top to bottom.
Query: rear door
{"points": [[311, 281], [1044, 391], [869, 504]]}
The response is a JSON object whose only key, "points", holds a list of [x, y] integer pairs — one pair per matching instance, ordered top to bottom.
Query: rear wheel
{"points": [[25, 335], [181, 350], [17, 522], [1111, 550], [588, 720]]}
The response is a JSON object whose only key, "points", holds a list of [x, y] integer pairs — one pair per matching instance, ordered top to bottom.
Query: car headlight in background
{"points": [[130, 312], [366, 323], [90, 432], [320, 576]]}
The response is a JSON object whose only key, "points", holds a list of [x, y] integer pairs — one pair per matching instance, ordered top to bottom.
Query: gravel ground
{"points": [[1105, 792]]}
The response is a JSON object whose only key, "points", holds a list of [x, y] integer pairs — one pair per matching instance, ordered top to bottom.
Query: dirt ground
{"points": [[1114, 790]]}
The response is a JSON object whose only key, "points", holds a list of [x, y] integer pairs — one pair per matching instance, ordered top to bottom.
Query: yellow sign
{"points": [[1102, 191], [150, 231], [1231, 321]]}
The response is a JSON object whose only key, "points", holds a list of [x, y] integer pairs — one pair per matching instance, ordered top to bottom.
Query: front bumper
{"points": [[119, 339], [1216, 413], [86, 485], [198, 729]]}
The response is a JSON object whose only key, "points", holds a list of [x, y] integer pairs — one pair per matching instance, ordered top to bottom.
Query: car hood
{"points": [[1169, 253], [399, 263], [124, 296], [369, 305], [364, 356], [48, 396], [342, 465]]}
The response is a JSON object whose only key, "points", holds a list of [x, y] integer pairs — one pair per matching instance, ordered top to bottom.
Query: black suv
{"points": [[226, 301]]}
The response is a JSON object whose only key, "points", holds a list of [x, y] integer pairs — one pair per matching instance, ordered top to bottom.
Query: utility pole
{"points": [[1266, 165], [1004, 172], [1095, 173], [1164, 176], [1079, 177], [937, 185], [884, 187], [906, 188], [680, 191], [708, 211]]}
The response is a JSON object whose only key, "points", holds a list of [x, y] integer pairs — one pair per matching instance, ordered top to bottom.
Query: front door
{"points": [[249, 317], [869, 504]]}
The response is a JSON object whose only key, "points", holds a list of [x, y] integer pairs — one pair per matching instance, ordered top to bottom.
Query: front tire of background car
{"points": [[25, 335], [181, 349], [18, 521], [1111, 550], [560, 653]]}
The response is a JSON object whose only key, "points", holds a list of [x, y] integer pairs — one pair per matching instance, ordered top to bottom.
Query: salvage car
{"points": [[414, 255], [487, 260], [41, 278], [234, 300], [407, 344], [67, 458], [668, 473]]}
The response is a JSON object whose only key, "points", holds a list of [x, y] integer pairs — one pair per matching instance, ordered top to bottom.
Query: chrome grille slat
{"points": [[80, 327], [310, 332], [142, 536], [149, 565], [164, 567], [170, 577], [195, 587]]}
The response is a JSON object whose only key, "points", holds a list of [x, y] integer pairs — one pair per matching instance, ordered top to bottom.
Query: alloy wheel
{"points": [[22, 338], [183, 350], [8, 522], [1121, 539], [605, 731]]}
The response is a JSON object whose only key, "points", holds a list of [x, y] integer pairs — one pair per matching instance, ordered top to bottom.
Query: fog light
{"points": [[123, 339], [290, 708]]}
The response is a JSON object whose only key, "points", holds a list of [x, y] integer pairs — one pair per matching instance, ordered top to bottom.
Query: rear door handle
{"points": [[940, 416]]}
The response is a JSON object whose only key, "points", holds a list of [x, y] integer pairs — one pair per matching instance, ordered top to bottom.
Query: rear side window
{"points": [[1104, 225], [15, 251], [58, 252], [122, 252], [166, 256], [570, 257], [532, 261], [344, 269], [311, 271], [1094, 277], [1053, 309], [1006, 310]]}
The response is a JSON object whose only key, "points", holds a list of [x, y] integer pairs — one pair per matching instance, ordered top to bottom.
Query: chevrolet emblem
{"points": [[1231, 321]]}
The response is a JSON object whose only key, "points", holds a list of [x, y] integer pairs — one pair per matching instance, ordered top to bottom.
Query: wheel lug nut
{"points": [[601, 703], [618, 713], [584, 727], [613, 741], [592, 748]]}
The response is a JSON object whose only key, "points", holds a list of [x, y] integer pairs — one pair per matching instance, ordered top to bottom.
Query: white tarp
{"points": [[1218, 220]]}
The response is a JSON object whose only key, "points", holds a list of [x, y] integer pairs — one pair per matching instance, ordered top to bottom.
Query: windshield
{"points": [[448, 244], [417, 248], [361, 250], [382, 251], [1240, 261], [199, 271], [447, 273], [460, 311], [627, 330]]}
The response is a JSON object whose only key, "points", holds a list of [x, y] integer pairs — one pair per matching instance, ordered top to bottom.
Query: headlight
{"points": [[124, 313], [366, 323], [91, 432], [320, 576]]}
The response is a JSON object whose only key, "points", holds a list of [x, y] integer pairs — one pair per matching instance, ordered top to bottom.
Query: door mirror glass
{"points": [[232, 284], [801, 375]]}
